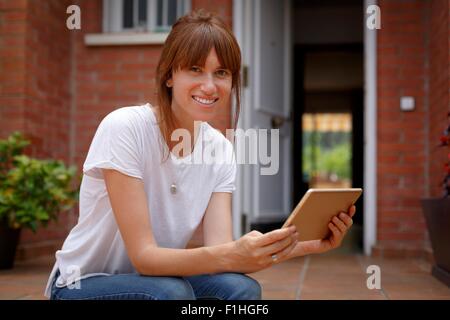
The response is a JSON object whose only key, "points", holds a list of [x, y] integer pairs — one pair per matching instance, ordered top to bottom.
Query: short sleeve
{"points": [[115, 146], [227, 173]]}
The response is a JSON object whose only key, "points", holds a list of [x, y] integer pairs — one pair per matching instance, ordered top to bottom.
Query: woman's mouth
{"points": [[204, 101]]}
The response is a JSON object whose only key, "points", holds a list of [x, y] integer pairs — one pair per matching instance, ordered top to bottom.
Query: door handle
{"points": [[276, 122]]}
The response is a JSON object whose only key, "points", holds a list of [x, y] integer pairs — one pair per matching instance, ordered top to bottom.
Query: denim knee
{"points": [[244, 287], [176, 289]]}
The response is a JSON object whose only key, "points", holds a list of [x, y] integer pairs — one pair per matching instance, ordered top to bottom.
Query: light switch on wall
{"points": [[407, 103]]}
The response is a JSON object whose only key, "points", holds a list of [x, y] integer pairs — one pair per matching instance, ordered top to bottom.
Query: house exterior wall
{"points": [[13, 26], [413, 60], [439, 84], [401, 145]]}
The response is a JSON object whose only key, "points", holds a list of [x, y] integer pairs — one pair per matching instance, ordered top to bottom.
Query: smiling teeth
{"points": [[204, 101]]}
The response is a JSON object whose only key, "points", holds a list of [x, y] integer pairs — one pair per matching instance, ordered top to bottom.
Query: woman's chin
{"points": [[205, 113], [204, 117]]}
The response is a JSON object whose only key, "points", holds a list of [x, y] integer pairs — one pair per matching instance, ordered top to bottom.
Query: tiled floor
{"points": [[332, 276], [343, 276]]}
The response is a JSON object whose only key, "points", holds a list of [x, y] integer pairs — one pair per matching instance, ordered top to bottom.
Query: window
{"points": [[142, 15]]}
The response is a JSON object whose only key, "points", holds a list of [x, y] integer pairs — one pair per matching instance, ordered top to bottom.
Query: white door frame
{"points": [[370, 134], [238, 195], [240, 204]]}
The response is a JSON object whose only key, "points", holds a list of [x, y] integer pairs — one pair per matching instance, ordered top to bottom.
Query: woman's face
{"points": [[199, 91]]}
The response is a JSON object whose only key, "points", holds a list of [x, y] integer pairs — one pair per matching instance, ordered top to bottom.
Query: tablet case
{"points": [[316, 209]]}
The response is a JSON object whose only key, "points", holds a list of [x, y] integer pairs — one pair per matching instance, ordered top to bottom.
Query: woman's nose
{"points": [[208, 86]]}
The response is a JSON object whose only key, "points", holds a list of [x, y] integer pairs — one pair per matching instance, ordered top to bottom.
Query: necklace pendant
{"points": [[173, 188]]}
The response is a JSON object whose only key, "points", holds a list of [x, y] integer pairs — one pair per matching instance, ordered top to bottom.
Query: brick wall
{"points": [[413, 61], [12, 65], [402, 71], [439, 90]]}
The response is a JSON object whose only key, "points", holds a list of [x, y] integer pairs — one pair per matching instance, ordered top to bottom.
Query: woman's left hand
{"points": [[339, 226]]}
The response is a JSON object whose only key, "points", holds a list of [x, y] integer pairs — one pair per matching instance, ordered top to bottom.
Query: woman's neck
{"points": [[185, 122], [190, 125]]}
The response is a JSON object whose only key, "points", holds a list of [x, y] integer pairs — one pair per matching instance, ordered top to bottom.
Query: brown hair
{"points": [[191, 39]]}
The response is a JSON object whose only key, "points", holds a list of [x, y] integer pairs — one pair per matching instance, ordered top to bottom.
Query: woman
{"points": [[140, 201]]}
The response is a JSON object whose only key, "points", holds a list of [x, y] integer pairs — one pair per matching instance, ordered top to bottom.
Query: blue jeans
{"points": [[221, 286]]}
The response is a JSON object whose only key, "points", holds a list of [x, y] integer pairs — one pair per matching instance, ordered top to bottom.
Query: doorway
{"points": [[313, 53], [328, 103]]}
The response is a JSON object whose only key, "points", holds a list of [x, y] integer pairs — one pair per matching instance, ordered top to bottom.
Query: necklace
{"points": [[173, 186]]}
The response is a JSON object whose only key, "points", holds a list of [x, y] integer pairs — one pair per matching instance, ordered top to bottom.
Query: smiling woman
{"points": [[139, 208]]}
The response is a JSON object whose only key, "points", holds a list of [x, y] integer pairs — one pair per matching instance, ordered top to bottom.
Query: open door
{"points": [[263, 31]]}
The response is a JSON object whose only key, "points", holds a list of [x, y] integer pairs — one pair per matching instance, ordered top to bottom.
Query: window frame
{"points": [[113, 16]]}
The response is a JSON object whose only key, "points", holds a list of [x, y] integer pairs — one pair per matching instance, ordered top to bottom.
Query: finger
{"points": [[352, 211], [346, 218], [340, 224], [336, 232], [254, 233], [274, 236], [336, 239], [279, 245], [284, 253]]}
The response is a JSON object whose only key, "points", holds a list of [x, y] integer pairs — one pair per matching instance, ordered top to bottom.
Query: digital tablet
{"points": [[316, 209]]}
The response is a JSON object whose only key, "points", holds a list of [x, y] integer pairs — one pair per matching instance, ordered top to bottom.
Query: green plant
{"points": [[327, 153], [338, 161], [32, 192]]}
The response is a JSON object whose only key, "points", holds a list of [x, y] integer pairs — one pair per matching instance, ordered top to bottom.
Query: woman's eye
{"points": [[195, 69], [222, 73]]}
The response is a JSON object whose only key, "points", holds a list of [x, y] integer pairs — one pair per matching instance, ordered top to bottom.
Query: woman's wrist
{"points": [[300, 250], [221, 255], [227, 255]]}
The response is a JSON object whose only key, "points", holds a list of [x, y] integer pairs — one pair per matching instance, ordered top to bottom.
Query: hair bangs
{"points": [[195, 49], [227, 51]]}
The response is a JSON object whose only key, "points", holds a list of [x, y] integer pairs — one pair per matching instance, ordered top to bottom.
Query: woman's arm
{"points": [[217, 222], [250, 253]]}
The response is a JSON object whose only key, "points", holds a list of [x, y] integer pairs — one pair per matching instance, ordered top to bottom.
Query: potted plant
{"points": [[32, 193], [437, 217]]}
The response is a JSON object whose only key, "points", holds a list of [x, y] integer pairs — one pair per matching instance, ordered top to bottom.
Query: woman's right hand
{"points": [[254, 251]]}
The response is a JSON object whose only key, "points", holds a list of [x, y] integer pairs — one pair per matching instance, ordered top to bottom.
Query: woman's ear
{"points": [[169, 83]]}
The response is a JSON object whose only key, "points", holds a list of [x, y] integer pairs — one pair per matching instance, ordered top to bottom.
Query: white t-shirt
{"points": [[130, 141]]}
